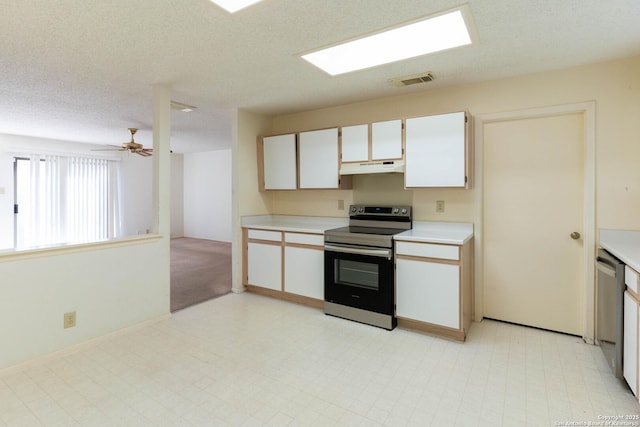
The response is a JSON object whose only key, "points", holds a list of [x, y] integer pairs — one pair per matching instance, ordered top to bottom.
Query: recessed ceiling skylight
{"points": [[232, 6], [430, 35]]}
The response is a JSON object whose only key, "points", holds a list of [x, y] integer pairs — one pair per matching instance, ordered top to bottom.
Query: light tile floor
{"points": [[248, 360]]}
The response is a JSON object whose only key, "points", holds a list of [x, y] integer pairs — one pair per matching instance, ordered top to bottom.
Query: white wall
{"points": [[136, 194], [177, 195], [207, 195], [109, 286]]}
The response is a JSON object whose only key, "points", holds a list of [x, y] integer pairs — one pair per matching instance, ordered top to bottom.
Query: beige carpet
{"points": [[200, 270]]}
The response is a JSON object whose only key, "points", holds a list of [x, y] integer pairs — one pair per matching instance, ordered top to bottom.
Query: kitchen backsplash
{"points": [[459, 204]]}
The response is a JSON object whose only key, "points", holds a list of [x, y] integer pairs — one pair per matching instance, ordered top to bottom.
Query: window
{"points": [[65, 200]]}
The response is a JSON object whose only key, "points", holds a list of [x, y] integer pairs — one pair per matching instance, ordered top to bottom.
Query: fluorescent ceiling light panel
{"points": [[232, 6], [418, 38]]}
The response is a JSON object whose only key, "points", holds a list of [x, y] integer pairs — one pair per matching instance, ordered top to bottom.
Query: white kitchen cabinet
{"points": [[386, 140], [355, 143], [318, 151], [436, 151], [279, 165], [264, 259], [264, 265], [286, 265], [304, 265], [304, 271], [434, 287], [428, 292], [630, 347]]}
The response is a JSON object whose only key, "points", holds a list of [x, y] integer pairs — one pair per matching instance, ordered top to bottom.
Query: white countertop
{"points": [[301, 224], [452, 233], [624, 244]]}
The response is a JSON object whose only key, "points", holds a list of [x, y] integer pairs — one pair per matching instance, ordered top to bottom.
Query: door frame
{"points": [[588, 111]]}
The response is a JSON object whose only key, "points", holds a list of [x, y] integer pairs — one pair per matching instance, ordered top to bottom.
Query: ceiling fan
{"points": [[131, 146]]}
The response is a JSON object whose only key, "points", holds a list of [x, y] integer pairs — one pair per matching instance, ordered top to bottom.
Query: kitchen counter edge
{"points": [[293, 223], [451, 233], [624, 244]]}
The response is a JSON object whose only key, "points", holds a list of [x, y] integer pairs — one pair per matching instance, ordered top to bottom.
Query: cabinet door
{"points": [[386, 140], [355, 143], [436, 151], [319, 159], [279, 162], [264, 265], [304, 271], [428, 292], [630, 342]]}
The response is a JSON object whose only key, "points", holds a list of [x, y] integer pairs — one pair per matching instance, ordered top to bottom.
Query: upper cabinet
{"points": [[386, 140], [355, 143], [432, 151], [436, 151], [319, 160], [277, 164]]}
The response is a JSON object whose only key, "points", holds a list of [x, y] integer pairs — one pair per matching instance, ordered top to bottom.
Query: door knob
{"points": [[575, 235]]}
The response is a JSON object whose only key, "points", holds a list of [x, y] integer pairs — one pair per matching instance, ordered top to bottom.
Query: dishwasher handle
{"points": [[605, 266]]}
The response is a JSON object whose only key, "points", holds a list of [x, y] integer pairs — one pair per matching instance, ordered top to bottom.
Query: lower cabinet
{"points": [[264, 259], [285, 265], [304, 271], [434, 287], [435, 298], [630, 342]]}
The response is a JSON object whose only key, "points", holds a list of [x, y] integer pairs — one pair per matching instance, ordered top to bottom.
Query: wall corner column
{"points": [[161, 160]]}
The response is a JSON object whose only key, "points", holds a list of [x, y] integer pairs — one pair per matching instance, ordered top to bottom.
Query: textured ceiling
{"points": [[83, 70]]}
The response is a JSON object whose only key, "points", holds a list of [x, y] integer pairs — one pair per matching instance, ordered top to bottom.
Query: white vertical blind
{"points": [[71, 200]]}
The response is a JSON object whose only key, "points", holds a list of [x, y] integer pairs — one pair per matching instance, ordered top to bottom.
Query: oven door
{"points": [[360, 277]]}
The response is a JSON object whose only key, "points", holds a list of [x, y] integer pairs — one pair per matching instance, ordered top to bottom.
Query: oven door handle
{"points": [[383, 253]]}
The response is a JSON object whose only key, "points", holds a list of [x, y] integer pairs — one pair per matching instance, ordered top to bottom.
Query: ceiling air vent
{"points": [[413, 79]]}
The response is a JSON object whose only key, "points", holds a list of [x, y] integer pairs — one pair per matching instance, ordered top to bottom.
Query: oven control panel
{"points": [[381, 211]]}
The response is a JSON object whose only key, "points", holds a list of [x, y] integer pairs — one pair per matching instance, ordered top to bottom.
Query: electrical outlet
{"points": [[340, 205], [440, 206], [69, 319]]}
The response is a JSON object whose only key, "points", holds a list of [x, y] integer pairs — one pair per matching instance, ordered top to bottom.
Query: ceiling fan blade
{"points": [[108, 149], [145, 152]]}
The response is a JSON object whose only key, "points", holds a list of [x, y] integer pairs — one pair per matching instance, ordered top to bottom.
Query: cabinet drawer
{"points": [[275, 236], [304, 239], [428, 250], [631, 278]]}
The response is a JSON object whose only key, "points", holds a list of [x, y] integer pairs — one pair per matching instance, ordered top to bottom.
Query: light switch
{"points": [[1, 190]]}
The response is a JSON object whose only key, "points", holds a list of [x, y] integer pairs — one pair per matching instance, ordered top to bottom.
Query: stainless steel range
{"points": [[359, 280]]}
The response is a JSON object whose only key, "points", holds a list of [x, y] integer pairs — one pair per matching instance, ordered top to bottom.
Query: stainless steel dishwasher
{"points": [[609, 309]]}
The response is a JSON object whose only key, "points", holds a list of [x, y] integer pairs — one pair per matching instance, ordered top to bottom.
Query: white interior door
{"points": [[533, 191]]}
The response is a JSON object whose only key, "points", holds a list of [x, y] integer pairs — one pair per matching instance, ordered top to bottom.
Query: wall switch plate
{"points": [[1, 190], [340, 205], [440, 206], [69, 319]]}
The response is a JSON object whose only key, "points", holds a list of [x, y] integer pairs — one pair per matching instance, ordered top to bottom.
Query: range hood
{"points": [[382, 166]]}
